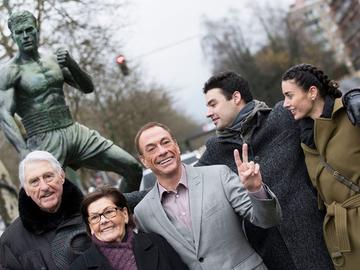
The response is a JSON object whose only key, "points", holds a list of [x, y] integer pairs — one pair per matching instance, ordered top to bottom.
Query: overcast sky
{"points": [[182, 68]]}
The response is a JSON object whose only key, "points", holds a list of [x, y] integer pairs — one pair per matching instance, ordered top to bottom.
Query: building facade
{"points": [[346, 14], [314, 18]]}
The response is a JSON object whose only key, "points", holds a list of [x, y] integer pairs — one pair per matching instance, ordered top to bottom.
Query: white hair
{"points": [[37, 156]]}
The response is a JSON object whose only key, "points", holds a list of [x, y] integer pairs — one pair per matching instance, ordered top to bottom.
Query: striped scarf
{"points": [[244, 121]]}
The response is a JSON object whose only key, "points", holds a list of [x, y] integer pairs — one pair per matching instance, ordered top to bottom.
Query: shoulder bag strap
{"points": [[341, 178]]}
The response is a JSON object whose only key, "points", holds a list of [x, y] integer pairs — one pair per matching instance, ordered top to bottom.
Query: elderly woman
{"points": [[331, 145], [115, 244]]}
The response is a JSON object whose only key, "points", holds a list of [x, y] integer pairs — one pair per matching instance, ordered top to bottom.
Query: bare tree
{"points": [[90, 30], [262, 52], [124, 111]]}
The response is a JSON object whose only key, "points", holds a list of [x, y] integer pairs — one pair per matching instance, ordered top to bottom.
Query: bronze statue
{"points": [[31, 85]]}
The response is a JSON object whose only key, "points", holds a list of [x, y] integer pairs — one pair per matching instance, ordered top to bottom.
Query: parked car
{"points": [[148, 180]]}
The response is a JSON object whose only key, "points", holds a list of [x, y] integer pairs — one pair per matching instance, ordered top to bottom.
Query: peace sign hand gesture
{"points": [[249, 172]]}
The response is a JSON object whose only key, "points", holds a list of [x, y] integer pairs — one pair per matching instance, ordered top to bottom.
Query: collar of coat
{"points": [[338, 105], [245, 122], [37, 221]]}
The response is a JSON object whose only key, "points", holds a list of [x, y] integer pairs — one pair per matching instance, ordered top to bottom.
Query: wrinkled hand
{"points": [[63, 57], [351, 101], [249, 172]]}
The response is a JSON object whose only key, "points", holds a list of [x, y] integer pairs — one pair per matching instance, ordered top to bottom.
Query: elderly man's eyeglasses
{"points": [[46, 177], [108, 213]]}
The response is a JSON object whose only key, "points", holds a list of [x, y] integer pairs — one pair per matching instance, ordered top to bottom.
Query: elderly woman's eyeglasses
{"points": [[108, 213]]}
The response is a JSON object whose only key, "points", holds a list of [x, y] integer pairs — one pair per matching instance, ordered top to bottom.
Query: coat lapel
{"points": [[195, 182], [164, 221], [146, 253], [94, 259]]}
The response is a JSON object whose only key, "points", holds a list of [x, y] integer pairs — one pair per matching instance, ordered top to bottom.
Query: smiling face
{"points": [[300, 103], [221, 110], [160, 152], [44, 184], [108, 229]]}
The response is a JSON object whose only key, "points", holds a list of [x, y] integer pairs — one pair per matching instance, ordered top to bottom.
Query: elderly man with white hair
{"points": [[49, 232]]}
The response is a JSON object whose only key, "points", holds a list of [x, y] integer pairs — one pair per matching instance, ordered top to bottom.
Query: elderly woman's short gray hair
{"points": [[37, 156]]}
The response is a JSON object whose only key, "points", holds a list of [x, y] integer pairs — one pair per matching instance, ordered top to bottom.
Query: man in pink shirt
{"points": [[200, 210]]}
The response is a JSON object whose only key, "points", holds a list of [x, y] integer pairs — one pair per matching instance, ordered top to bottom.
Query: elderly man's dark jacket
{"points": [[274, 143], [39, 240]]}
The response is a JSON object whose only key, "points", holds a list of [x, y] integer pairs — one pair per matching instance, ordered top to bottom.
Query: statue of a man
{"points": [[31, 85]]}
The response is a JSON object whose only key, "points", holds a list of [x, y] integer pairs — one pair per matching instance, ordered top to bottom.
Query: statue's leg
{"points": [[117, 160]]}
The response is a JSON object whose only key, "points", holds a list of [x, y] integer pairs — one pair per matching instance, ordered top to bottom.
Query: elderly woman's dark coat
{"points": [[274, 142], [151, 251]]}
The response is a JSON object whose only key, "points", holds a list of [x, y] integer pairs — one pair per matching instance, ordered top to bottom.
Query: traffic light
{"points": [[121, 61]]}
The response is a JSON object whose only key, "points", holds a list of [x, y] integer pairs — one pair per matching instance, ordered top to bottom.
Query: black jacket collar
{"points": [[37, 221], [145, 252]]}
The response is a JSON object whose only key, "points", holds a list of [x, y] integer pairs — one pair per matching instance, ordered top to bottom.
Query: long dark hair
{"points": [[306, 75]]}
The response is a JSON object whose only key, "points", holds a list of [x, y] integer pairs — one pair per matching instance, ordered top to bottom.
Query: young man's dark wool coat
{"points": [[274, 143]]}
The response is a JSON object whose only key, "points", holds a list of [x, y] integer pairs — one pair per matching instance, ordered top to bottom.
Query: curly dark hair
{"points": [[306, 75], [229, 82]]}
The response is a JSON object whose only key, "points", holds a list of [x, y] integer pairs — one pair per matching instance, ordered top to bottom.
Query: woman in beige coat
{"points": [[331, 146]]}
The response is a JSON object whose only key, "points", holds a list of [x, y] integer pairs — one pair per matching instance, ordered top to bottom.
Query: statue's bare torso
{"points": [[38, 86]]}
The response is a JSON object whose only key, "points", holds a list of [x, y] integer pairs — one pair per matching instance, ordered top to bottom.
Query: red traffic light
{"points": [[120, 60]]}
